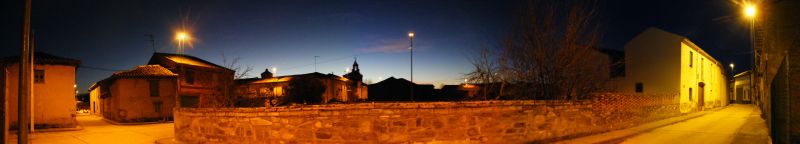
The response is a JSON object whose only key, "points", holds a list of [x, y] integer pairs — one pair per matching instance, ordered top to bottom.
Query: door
{"points": [[700, 96]]}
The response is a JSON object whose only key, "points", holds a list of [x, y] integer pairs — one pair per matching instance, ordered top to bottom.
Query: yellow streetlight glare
{"points": [[750, 11], [411, 34], [181, 36]]}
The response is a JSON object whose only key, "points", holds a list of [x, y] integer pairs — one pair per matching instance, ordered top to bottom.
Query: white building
{"points": [[658, 62]]}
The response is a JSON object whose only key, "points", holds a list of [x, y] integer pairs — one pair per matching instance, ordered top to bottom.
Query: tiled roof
{"points": [[44, 58], [187, 60], [145, 71], [289, 77]]}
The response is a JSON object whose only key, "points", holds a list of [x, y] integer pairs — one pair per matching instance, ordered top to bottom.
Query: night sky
{"points": [[109, 36]]}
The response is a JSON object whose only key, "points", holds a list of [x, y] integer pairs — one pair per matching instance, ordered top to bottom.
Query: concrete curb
{"points": [[136, 123], [76, 128], [617, 135]]}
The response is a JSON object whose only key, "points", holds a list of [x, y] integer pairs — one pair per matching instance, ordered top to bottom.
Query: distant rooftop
{"points": [[44, 58], [186, 59], [145, 71]]}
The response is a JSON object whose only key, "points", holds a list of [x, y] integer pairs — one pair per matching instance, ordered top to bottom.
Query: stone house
{"points": [[658, 62], [200, 83], [741, 88], [271, 89], [145, 93], [53, 98]]}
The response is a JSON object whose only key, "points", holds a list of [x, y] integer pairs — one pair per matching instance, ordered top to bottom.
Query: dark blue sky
{"points": [[288, 34]]}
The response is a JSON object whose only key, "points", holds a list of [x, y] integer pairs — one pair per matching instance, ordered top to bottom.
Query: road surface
{"points": [[734, 124], [97, 131]]}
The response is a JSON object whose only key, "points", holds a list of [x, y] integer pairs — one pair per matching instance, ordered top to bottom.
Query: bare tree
{"points": [[551, 54], [233, 64], [485, 73], [228, 86]]}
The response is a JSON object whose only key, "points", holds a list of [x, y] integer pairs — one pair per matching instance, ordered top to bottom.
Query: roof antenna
{"points": [[152, 41]]}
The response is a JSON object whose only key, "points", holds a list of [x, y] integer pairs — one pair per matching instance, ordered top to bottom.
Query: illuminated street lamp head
{"points": [[750, 11], [411, 34], [181, 36], [731, 65]]}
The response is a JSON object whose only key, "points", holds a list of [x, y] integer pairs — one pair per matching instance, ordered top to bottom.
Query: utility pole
{"points": [[152, 41], [411, 57], [24, 77]]}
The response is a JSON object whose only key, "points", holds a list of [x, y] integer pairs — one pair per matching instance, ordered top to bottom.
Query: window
{"points": [[691, 58], [38, 76], [702, 77], [189, 78], [639, 87], [153, 88], [278, 91], [690, 94], [157, 107]]}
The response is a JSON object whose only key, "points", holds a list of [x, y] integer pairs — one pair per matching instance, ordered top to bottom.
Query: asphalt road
{"points": [[735, 124], [97, 131]]}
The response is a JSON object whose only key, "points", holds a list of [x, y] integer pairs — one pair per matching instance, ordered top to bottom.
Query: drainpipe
{"points": [[788, 96]]}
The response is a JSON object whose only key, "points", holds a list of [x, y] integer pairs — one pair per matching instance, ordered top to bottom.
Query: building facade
{"points": [[658, 62], [776, 72], [200, 83], [741, 88], [272, 89], [145, 93], [53, 98]]}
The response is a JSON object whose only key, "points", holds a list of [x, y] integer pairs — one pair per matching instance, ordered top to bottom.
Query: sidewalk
{"points": [[97, 131], [612, 136]]}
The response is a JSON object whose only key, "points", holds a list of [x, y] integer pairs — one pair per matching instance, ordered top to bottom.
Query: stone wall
{"points": [[479, 121]]}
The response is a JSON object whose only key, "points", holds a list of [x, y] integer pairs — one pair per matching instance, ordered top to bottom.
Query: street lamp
{"points": [[750, 11], [181, 37], [411, 56]]}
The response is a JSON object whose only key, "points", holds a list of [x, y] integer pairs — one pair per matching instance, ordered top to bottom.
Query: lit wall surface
{"points": [[658, 62], [698, 67]]}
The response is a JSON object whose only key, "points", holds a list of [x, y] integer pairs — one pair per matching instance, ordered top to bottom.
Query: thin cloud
{"points": [[390, 46]]}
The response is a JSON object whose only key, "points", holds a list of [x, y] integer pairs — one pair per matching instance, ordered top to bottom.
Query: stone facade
{"points": [[479, 121]]}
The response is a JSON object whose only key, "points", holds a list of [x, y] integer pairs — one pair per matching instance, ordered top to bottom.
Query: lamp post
{"points": [[750, 11], [181, 37], [411, 56], [732, 72], [733, 83]]}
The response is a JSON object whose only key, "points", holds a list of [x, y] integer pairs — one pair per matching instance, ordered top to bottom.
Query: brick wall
{"points": [[480, 121]]}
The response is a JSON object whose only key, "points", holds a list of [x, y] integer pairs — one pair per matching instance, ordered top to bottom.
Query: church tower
{"points": [[355, 73]]}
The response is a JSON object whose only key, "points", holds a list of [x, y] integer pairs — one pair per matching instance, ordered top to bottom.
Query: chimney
{"points": [[266, 74]]}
